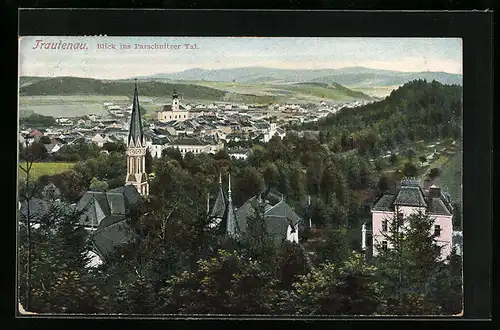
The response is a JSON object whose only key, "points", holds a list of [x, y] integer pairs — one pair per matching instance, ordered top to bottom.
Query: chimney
{"points": [[434, 191]]}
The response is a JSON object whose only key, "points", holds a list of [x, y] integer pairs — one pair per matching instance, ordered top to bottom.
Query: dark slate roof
{"points": [[168, 107], [135, 133], [188, 142], [129, 191], [410, 196], [114, 202], [385, 203], [37, 207], [219, 207], [437, 207], [277, 216], [109, 220], [108, 238]]}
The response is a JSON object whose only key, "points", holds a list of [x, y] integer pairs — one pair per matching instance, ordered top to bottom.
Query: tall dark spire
{"points": [[135, 135], [231, 225]]}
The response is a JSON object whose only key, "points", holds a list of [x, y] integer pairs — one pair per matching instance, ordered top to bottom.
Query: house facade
{"points": [[409, 198]]}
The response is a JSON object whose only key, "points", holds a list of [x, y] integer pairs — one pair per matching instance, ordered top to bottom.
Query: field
{"points": [[284, 92], [77, 105], [40, 169], [451, 177]]}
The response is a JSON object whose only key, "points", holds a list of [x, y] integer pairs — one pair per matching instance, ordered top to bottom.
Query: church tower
{"points": [[175, 101], [136, 150]]}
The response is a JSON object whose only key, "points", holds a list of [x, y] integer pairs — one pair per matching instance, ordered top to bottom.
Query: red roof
{"points": [[36, 133]]}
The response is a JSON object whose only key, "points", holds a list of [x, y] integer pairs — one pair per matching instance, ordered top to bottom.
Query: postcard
{"points": [[240, 176]]}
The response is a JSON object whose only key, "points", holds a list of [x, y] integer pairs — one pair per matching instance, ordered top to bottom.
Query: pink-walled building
{"points": [[406, 199]]}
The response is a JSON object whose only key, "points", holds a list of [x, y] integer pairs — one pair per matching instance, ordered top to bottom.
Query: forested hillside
{"points": [[78, 86], [418, 110]]}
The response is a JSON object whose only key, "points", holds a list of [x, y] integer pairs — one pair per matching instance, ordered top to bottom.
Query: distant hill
{"points": [[351, 76], [87, 86], [156, 87]]}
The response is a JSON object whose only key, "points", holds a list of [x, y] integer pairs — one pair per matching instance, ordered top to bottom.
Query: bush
{"points": [[393, 159], [409, 169], [434, 172]]}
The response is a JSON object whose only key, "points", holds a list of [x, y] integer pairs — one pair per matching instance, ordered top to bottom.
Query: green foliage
{"points": [[74, 85], [418, 110], [37, 120], [36, 151], [393, 159], [410, 170], [434, 173], [383, 183], [96, 185], [408, 269], [60, 281], [221, 285], [332, 290]]}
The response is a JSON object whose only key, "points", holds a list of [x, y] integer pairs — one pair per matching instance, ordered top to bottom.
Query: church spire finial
{"points": [[135, 132], [220, 176], [229, 188]]}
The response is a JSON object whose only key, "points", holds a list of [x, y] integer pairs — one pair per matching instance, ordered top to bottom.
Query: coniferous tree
{"points": [[408, 268]]}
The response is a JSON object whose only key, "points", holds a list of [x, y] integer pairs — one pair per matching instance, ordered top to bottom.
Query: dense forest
{"points": [[79, 86], [416, 111], [179, 265]]}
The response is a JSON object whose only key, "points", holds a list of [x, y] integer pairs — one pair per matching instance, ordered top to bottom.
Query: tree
{"points": [[44, 140], [37, 151], [410, 153], [393, 159], [422, 159], [148, 162], [379, 164], [410, 169], [434, 173], [383, 184], [96, 185], [50, 192], [290, 263], [408, 268], [61, 281], [228, 283], [349, 288]]}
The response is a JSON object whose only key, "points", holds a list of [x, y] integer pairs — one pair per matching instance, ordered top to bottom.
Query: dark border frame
{"points": [[475, 29]]}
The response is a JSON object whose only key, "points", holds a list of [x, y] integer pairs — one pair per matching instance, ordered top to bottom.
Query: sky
{"points": [[399, 54]]}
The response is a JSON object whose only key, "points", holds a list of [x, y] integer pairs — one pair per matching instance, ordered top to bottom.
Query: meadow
{"points": [[69, 105], [45, 168]]}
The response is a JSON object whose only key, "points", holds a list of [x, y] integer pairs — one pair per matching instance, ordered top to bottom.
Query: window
{"points": [[384, 225], [437, 230], [384, 245]]}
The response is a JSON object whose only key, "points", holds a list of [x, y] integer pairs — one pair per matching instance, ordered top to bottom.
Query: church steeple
{"points": [[175, 101], [135, 135], [136, 150], [231, 225]]}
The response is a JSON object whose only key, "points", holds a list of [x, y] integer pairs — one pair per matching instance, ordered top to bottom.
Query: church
{"points": [[173, 112], [105, 214], [280, 220]]}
